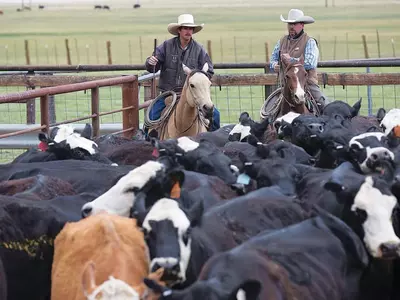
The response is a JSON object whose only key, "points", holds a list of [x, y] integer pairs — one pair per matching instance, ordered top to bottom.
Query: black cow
{"points": [[41, 6], [97, 7], [106, 7], [342, 108], [248, 127], [218, 137], [203, 157], [85, 176], [153, 181], [181, 240], [26, 241], [320, 258]]}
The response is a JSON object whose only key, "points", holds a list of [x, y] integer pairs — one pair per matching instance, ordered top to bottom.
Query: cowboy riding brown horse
{"points": [[292, 96]]}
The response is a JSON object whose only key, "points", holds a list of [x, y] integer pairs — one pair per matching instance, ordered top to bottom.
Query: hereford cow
{"points": [[109, 245]]}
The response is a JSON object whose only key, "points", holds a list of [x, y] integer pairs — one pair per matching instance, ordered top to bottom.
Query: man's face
{"points": [[294, 28], [185, 33]]}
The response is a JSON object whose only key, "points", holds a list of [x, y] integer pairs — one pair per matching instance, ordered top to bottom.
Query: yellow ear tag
{"points": [[176, 190]]}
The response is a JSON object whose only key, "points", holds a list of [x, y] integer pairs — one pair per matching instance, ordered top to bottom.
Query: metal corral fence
{"points": [[232, 93]]}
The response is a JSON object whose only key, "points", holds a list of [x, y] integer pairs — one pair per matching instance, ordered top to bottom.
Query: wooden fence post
{"points": [[364, 39], [378, 43], [68, 52], [109, 52], [27, 56], [268, 88], [31, 110], [95, 110], [44, 112], [130, 117]]}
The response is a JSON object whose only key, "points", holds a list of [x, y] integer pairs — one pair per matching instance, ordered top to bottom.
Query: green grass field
{"points": [[238, 31]]}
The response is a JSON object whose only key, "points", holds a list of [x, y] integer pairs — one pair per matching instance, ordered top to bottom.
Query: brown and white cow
{"points": [[104, 250]]}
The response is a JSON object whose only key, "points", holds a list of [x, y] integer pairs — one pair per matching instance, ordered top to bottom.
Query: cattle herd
{"points": [[301, 208]]}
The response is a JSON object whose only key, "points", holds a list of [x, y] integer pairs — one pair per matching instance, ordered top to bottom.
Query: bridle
{"points": [[291, 92]]}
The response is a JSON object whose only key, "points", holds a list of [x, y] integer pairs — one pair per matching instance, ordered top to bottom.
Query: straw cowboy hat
{"points": [[297, 16], [184, 20]]}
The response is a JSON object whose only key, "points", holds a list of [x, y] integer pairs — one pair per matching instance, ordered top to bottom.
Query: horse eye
{"points": [[192, 86]]}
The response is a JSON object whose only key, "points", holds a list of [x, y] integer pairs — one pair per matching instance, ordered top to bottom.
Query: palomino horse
{"points": [[293, 96], [192, 114]]}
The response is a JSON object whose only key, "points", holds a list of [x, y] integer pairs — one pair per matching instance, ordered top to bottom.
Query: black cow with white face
{"points": [[283, 125], [247, 127], [368, 150], [364, 202], [182, 239], [320, 258]]}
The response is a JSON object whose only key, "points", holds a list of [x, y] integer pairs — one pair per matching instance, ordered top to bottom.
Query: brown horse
{"points": [[293, 96], [192, 113]]}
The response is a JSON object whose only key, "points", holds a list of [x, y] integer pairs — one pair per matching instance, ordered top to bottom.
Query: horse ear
{"points": [[205, 68], [186, 69]]}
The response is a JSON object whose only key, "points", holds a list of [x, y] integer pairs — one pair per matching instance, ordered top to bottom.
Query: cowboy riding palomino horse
{"points": [[292, 96], [192, 113]]}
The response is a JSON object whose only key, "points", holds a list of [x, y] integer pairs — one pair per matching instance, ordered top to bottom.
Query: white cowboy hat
{"points": [[297, 16], [184, 20]]}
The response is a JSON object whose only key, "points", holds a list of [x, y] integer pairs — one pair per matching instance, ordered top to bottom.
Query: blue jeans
{"points": [[155, 113]]}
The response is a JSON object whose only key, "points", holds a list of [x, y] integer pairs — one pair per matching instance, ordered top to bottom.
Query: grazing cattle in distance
{"points": [[136, 5], [41, 6], [98, 7], [106, 7], [1, 12], [37, 187], [181, 239], [104, 249], [320, 258]]}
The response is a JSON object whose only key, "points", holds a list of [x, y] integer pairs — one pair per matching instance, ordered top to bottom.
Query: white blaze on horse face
{"points": [[299, 90], [391, 120], [186, 144], [119, 199], [168, 209], [378, 228]]}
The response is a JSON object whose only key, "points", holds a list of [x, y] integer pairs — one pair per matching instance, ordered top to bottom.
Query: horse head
{"points": [[295, 78], [197, 90]]}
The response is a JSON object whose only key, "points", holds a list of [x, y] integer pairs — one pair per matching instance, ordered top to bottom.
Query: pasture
{"points": [[238, 32]]}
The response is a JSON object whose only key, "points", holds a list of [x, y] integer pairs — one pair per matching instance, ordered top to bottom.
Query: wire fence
{"points": [[225, 49]]}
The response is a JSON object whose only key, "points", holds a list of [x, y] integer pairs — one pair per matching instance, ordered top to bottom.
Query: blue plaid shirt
{"points": [[311, 55]]}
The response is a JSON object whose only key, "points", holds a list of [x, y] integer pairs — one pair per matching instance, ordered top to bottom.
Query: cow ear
{"points": [[356, 108], [380, 114], [87, 132], [42, 137], [177, 179], [195, 213], [89, 279], [249, 290]]}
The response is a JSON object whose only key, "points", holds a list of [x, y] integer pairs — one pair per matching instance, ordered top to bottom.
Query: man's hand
{"points": [[286, 57], [152, 60], [276, 68]]}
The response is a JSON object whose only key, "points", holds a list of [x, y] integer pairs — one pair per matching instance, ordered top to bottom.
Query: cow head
{"points": [[343, 109], [390, 124], [283, 125], [247, 127], [307, 131], [66, 143], [369, 150], [203, 157], [277, 168], [152, 180], [368, 208], [167, 228], [248, 289]]}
